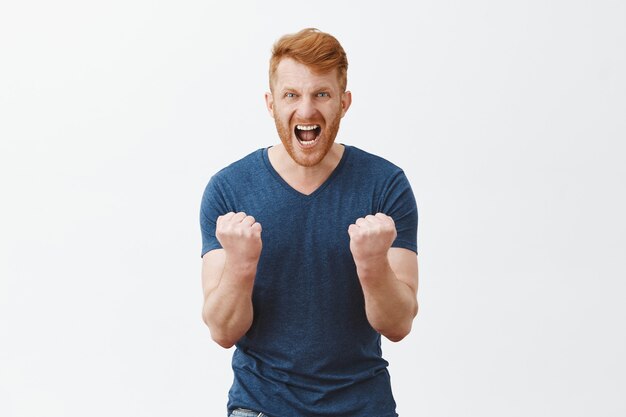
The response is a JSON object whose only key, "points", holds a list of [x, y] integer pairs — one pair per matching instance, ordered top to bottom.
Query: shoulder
{"points": [[363, 161], [245, 166], [248, 169], [369, 173], [238, 178]]}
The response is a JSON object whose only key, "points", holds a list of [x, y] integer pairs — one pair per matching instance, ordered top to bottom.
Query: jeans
{"points": [[242, 412]]}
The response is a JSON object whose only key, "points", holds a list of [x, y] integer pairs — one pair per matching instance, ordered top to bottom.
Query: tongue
{"points": [[307, 135]]}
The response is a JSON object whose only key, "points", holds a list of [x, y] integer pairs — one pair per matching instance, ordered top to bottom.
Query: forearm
{"points": [[390, 304], [227, 309]]}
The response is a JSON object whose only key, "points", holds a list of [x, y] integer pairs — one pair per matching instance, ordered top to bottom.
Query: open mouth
{"points": [[307, 134]]}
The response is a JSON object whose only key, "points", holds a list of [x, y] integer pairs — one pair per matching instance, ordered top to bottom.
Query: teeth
{"points": [[303, 127]]}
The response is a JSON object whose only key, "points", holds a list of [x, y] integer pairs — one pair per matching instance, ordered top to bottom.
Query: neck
{"points": [[304, 179]]}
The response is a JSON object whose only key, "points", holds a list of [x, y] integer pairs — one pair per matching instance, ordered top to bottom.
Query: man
{"points": [[309, 252]]}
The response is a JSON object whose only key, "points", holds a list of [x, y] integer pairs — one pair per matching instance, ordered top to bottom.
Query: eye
{"points": [[323, 94], [290, 95]]}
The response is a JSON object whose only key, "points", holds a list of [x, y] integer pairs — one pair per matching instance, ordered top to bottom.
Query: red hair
{"points": [[318, 50]]}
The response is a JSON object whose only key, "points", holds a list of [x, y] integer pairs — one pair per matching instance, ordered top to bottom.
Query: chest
{"points": [[314, 227]]}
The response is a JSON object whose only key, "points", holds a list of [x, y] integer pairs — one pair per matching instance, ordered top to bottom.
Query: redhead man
{"points": [[309, 252]]}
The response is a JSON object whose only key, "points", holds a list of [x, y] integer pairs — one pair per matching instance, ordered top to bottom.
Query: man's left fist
{"points": [[371, 237]]}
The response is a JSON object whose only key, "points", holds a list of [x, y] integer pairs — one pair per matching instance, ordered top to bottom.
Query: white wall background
{"points": [[508, 117]]}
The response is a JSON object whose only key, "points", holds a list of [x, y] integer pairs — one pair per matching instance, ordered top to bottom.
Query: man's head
{"points": [[308, 76]]}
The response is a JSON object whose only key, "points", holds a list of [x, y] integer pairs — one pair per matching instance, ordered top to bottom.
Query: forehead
{"points": [[291, 73]]}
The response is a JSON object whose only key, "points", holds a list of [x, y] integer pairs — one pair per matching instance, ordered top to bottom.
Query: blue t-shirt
{"points": [[310, 350]]}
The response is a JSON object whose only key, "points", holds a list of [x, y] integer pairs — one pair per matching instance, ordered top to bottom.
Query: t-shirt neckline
{"points": [[276, 175]]}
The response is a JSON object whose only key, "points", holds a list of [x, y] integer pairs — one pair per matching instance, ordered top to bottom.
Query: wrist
{"points": [[241, 265], [374, 267]]}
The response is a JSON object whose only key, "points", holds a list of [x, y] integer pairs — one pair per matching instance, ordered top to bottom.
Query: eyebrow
{"points": [[316, 88]]}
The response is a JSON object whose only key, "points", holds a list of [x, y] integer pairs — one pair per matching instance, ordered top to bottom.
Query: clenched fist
{"points": [[240, 236], [371, 237]]}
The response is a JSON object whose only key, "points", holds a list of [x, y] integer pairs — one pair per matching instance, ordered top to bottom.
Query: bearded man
{"points": [[309, 252]]}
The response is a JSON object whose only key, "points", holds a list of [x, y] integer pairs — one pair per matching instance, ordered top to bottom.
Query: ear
{"points": [[346, 100], [269, 102]]}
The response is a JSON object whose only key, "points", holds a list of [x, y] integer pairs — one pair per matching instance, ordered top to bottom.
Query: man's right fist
{"points": [[240, 236]]}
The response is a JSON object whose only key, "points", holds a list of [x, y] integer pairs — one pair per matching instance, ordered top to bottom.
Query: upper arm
{"points": [[399, 204], [212, 206], [403, 262], [212, 268]]}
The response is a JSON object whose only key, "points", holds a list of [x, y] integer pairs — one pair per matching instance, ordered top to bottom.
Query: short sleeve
{"points": [[398, 202], [213, 205]]}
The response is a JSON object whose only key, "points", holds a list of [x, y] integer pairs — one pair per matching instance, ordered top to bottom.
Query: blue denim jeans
{"points": [[243, 412]]}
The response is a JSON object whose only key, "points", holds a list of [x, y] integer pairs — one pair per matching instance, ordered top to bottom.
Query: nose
{"points": [[306, 108]]}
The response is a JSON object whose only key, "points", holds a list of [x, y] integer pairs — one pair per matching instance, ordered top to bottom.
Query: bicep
{"points": [[403, 262], [212, 268]]}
